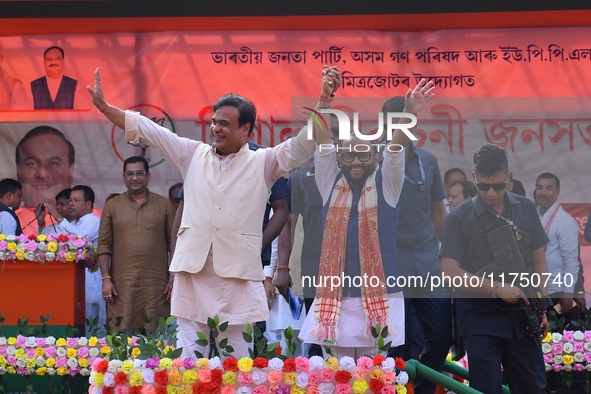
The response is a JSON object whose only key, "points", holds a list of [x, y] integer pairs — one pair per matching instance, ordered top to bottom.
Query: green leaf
{"points": [[48, 318], [42, 319], [216, 319], [169, 320], [211, 323], [224, 326], [378, 328], [257, 332], [374, 332], [385, 332], [215, 333], [288, 333], [201, 336], [247, 338], [202, 342], [380, 342], [223, 343], [271, 347], [387, 347], [230, 349], [251, 353], [198, 355]]}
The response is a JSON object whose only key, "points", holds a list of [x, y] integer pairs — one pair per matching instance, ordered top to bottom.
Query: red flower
{"points": [[32, 237], [62, 238], [277, 350], [377, 360], [260, 362], [400, 363], [230, 364], [289, 365], [102, 367], [161, 377], [216, 377], [343, 377], [121, 378], [376, 386], [197, 388], [206, 388], [107, 390], [135, 390], [160, 390]]}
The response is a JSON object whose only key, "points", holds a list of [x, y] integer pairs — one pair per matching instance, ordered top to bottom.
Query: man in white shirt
{"points": [[450, 177], [11, 197], [62, 204], [86, 224], [562, 250]]}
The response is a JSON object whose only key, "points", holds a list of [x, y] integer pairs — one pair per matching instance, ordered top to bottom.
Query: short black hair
{"points": [[53, 47], [393, 104], [246, 109], [42, 130], [136, 159], [490, 159], [452, 171], [549, 175], [9, 185], [172, 187], [468, 188], [519, 189], [88, 193], [63, 194]]}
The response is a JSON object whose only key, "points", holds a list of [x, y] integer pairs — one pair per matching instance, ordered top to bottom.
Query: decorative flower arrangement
{"points": [[46, 248], [569, 351], [379, 375]]}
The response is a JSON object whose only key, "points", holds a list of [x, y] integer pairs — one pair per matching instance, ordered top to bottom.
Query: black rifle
{"points": [[508, 261]]}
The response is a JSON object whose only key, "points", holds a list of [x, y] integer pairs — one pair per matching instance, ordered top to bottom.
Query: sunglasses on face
{"points": [[348, 157], [496, 186]]}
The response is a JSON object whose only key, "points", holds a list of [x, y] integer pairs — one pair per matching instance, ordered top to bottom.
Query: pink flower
{"points": [[72, 237], [23, 238], [79, 243], [3, 245], [32, 245], [80, 255], [568, 336], [587, 336], [20, 341], [102, 341], [72, 342], [134, 342], [579, 347], [557, 348], [3, 351], [50, 351], [83, 352], [30, 353], [587, 357], [548, 358], [11, 360], [61, 362], [94, 362], [178, 362], [365, 363], [302, 364], [578, 367], [557, 368], [21, 371], [74, 371], [359, 373], [204, 375], [326, 375], [274, 377], [389, 377], [313, 378], [244, 379], [147, 389], [343, 389], [121, 390], [228, 390], [259, 390], [388, 390]]}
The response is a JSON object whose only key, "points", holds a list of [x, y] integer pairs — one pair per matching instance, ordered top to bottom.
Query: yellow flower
{"points": [[2, 237], [41, 237], [11, 246], [52, 247], [20, 255], [70, 257], [548, 338], [128, 340], [11, 341], [92, 341], [60, 342], [168, 348], [106, 350], [39, 351], [136, 352], [20, 353], [71, 353], [567, 360], [2, 361], [50, 362], [202, 362], [30, 363], [83, 363], [165, 363], [332, 363], [245, 364], [127, 366], [10, 369], [41, 371], [61, 371], [377, 374], [190, 376], [174, 377], [229, 378], [290, 378], [98, 379], [135, 379], [360, 386], [170, 389], [400, 389], [187, 390], [297, 390]]}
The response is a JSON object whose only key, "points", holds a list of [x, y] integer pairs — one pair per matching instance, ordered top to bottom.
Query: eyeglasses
{"points": [[348, 157], [139, 174], [496, 186]]}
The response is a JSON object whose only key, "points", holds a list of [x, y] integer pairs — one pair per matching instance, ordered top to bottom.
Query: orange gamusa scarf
{"points": [[332, 260]]}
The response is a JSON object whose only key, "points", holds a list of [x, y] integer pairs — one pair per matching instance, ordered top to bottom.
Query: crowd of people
{"points": [[366, 211]]}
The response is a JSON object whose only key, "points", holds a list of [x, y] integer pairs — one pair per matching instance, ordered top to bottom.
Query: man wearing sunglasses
{"points": [[493, 335]]}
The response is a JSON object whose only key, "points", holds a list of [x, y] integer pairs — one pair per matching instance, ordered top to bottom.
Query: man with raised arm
{"points": [[217, 260]]}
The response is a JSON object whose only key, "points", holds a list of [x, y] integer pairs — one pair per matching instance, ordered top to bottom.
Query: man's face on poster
{"points": [[54, 63], [43, 168]]}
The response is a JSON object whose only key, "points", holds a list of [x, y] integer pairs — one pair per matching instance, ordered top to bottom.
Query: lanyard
{"points": [[421, 183], [547, 227], [518, 232]]}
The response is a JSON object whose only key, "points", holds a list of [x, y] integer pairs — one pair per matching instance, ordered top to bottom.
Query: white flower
{"points": [[11, 238], [72, 245], [21, 246], [42, 247], [30, 255], [2, 256], [49, 256], [578, 336], [556, 337], [2, 341], [50, 341], [82, 341], [31, 342], [587, 346], [546, 348], [568, 348], [10, 350], [61, 352], [94, 352], [578, 357], [558, 359], [40, 361], [21, 362], [72, 362], [316, 362], [214, 363], [347, 363], [139, 364], [276, 364], [388, 364], [113, 365], [547, 366], [588, 367], [568, 368], [2, 370], [30, 371], [51, 371], [84, 372], [148, 376], [259, 377], [402, 378], [109, 380], [302, 380], [326, 388], [97, 390], [244, 390]]}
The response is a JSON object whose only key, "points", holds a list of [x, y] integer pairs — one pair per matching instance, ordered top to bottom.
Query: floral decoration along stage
{"points": [[46, 248], [569, 351], [379, 375]]}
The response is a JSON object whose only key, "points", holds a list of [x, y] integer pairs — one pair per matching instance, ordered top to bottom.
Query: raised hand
{"points": [[331, 80], [98, 99], [417, 99], [53, 212]]}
